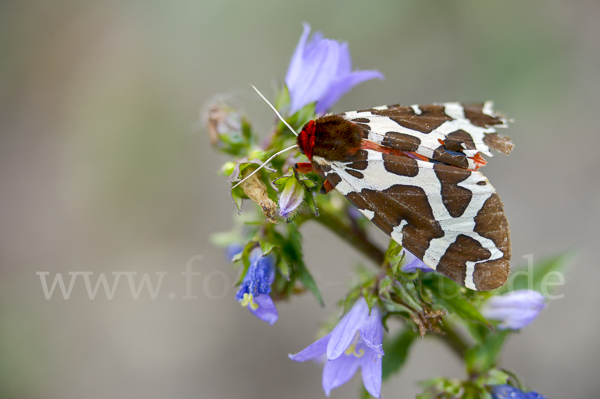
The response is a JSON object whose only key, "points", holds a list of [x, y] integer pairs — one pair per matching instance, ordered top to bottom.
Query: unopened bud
{"points": [[222, 119], [290, 197]]}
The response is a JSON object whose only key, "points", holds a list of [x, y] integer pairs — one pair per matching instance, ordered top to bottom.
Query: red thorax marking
{"points": [[306, 139], [303, 167]]}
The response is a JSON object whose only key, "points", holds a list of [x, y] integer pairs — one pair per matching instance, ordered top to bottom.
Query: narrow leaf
{"points": [[396, 352]]}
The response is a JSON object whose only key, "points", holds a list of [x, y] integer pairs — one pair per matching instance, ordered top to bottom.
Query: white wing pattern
{"points": [[451, 133], [449, 217]]}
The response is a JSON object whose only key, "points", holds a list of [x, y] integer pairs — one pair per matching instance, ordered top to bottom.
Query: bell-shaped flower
{"points": [[321, 71], [412, 264], [256, 286], [514, 309], [356, 342], [510, 392]]}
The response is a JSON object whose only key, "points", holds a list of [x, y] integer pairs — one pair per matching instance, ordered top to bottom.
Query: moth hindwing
{"points": [[413, 172]]}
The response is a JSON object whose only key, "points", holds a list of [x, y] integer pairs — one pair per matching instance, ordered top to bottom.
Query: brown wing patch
{"points": [[474, 113], [431, 117], [459, 140], [401, 141], [498, 142], [441, 154], [359, 160], [401, 166], [355, 173], [456, 199], [401, 203], [491, 223], [453, 263]]}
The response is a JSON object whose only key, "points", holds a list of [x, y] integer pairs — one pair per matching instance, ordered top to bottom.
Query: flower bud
{"points": [[224, 124], [290, 197], [515, 309]]}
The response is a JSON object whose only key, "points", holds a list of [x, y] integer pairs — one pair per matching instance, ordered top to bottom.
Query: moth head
{"points": [[306, 139]]}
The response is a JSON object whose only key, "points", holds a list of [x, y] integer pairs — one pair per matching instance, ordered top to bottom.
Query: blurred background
{"points": [[104, 167]]}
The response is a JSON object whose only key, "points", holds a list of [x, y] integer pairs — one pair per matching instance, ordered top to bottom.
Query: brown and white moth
{"points": [[413, 172]]}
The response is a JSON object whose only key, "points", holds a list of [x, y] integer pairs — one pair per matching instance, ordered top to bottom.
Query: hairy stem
{"points": [[346, 233], [454, 341]]}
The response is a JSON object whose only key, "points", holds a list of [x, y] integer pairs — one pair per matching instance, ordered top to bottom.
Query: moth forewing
{"points": [[412, 172]]}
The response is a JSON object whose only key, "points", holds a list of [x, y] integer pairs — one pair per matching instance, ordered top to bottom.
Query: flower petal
{"points": [[321, 71], [294, 72], [343, 85], [291, 197], [412, 264], [266, 310], [514, 310], [372, 331], [343, 334], [312, 351], [339, 371], [371, 373], [507, 392], [534, 395]]}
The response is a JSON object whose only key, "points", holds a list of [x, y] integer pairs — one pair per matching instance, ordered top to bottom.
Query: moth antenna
{"points": [[274, 109], [264, 163]]}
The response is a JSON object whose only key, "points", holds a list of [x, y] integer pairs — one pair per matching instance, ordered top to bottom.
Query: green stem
{"points": [[346, 233], [454, 341]]}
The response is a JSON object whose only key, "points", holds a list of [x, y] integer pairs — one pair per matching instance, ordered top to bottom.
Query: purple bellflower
{"points": [[321, 71], [412, 264], [256, 286], [514, 309], [355, 342], [510, 392]]}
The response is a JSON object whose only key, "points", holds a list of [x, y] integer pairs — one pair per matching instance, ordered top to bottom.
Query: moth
{"points": [[413, 171]]}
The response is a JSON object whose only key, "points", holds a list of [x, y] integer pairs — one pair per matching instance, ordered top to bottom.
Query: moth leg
{"points": [[303, 167], [327, 187]]}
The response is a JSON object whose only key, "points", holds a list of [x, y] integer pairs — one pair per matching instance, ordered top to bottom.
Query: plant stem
{"points": [[351, 236], [454, 340]]}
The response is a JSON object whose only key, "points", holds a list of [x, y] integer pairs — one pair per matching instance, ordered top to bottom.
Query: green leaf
{"points": [[282, 101], [301, 118], [247, 130], [238, 195], [226, 238], [266, 247], [293, 250], [284, 269], [308, 281], [450, 295], [407, 296], [396, 352], [480, 358], [493, 377]]}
